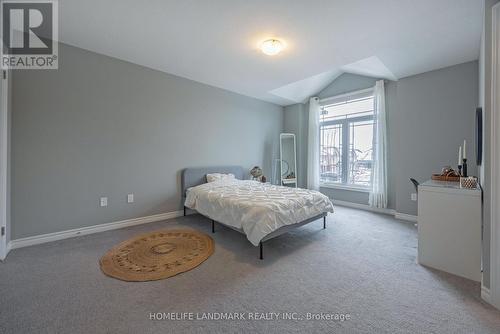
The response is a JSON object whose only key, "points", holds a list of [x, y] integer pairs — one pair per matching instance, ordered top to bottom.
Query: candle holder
{"points": [[464, 167], [460, 170]]}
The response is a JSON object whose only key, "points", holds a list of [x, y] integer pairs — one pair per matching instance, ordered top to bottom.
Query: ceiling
{"points": [[216, 42]]}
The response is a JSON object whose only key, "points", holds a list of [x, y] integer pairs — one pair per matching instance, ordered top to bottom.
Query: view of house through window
{"points": [[346, 140]]}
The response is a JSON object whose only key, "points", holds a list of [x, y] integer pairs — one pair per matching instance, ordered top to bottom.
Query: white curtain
{"points": [[313, 145], [378, 193]]}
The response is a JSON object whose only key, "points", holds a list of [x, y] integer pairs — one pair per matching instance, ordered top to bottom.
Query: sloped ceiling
{"points": [[216, 42], [370, 67], [298, 92]]}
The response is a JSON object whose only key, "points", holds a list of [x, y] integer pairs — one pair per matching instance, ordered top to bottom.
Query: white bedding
{"points": [[256, 208]]}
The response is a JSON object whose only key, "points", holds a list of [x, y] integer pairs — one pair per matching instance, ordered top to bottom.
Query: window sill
{"points": [[344, 187]]}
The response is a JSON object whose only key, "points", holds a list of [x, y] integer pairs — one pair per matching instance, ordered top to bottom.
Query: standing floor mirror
{"points": [[288, 160]]}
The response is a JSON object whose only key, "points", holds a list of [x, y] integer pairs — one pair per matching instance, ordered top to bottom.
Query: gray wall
{"points": [[346, 83], [485, 102], [436, 112], [428, 116], [99, 126]]}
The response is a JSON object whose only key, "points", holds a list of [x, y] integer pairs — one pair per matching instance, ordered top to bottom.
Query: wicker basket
{"points": [[468, 182]]}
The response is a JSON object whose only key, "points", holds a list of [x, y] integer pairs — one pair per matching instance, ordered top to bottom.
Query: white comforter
{"points": [[256, 208]]}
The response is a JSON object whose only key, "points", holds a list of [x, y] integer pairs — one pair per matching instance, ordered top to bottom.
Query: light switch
{"points": [[413, 196], [130, 198], [104, 201]]}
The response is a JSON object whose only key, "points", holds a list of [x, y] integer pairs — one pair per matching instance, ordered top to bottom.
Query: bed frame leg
{"points": [[184, 211], [324, 222], [213, 226], [261, 251]]}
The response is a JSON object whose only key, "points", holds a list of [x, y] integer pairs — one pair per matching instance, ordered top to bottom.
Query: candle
{"points": [[460, 155], [465, 155]]}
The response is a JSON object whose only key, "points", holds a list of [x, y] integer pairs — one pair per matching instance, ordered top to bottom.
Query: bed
{"points": [[258, 210]]}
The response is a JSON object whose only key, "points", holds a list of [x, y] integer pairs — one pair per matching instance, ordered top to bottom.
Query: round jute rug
{"points": [[157, 255]]}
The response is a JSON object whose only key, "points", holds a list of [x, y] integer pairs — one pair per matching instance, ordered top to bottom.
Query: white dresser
{"points": [[449, 228]]}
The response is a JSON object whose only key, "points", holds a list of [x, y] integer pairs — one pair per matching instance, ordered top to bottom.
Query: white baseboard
{"points": [[363, 207], [391, 212], [407, 217], [43, 238], [9, 247], [4, 255], [485, 294]]}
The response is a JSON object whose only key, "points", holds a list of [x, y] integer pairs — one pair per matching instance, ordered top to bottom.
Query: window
{"points": [[346, 140]]}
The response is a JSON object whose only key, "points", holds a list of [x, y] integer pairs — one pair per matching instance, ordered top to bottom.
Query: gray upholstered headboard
{"points": [[191, 177]]}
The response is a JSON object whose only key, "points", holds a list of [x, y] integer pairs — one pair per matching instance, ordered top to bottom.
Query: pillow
{"points": [[218, 176]]}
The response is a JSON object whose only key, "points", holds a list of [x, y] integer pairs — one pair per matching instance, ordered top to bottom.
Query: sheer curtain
{"points": [[313, 145], [378, 193]]}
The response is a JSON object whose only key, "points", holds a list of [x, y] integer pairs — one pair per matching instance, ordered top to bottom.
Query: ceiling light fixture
{"points": [[272, 47]]}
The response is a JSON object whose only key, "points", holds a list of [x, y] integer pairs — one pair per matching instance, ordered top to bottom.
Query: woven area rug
{"points": [[157, 255]]}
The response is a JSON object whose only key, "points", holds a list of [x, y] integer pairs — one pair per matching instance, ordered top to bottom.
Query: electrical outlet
{"points": [[414, 196], [130, 198], [104, 201]]}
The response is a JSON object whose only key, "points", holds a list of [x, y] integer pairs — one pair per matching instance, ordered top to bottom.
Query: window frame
{"points": [[346, 131]]}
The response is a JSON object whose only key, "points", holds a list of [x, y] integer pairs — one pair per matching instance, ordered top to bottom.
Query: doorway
{"points": [[495, 160], [4, 161]]}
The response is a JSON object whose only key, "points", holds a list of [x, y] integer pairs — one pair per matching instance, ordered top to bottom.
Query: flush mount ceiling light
{"points": [[272, 47]]}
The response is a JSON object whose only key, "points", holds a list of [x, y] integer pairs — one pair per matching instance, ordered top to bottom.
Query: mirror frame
{"points": [[282, 136]]}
